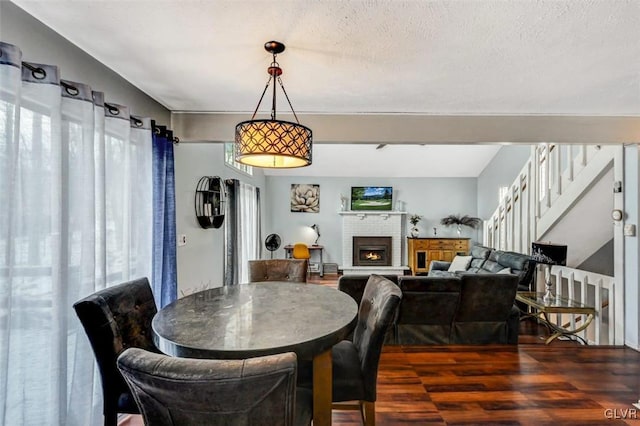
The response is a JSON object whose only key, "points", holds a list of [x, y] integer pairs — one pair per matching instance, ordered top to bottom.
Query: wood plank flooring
{"points": [[526, 384]]}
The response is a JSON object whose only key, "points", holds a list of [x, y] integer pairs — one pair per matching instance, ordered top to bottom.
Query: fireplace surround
{"points": [[380, 224]]}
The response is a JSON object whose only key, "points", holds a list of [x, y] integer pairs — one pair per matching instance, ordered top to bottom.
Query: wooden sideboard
{"points": [[424, 250]]}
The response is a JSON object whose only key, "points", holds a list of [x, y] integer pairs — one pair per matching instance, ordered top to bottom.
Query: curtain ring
{"points": [[37, 72], [72, 90], [112, 109], [136, 121], [176, 140]]}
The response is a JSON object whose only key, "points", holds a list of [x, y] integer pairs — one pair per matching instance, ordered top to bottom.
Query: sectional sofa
{"points": [[485, 260], [454, 309]]}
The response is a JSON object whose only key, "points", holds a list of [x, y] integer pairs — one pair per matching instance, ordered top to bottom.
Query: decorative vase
{"points": [[415, 232]]}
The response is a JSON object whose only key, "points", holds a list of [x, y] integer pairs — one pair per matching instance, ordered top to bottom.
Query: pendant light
{"points": [[273, 143]]}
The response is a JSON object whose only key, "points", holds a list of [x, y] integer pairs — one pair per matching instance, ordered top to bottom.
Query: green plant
{"points": [[414, 219]]}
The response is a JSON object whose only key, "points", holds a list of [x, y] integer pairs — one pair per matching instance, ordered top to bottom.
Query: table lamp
{"points": [[317, 231], [548, 254]]}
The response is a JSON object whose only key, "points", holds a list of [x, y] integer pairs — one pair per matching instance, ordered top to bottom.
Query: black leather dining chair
{"points": [[292, 270], [114, 319], [355, 363], [187, 391]]}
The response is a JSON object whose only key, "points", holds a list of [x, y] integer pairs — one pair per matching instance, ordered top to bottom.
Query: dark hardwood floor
{"points": [[531, 383]]}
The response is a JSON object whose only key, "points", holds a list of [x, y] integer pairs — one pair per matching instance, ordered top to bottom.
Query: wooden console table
{"points": [[422, 251], [541, 309]]}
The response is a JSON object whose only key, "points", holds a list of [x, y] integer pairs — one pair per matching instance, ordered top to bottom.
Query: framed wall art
{"points": [[305, 198]]}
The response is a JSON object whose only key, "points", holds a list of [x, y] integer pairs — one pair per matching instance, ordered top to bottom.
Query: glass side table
{"points": [[541, 308]]}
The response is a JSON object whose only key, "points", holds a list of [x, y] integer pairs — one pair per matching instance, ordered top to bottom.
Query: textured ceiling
{"points": [[433, 57], [442, 57]]}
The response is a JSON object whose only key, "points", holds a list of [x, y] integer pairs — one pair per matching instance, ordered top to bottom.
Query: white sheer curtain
{"points": [[75, 185], [248, 229], [242, 230]]}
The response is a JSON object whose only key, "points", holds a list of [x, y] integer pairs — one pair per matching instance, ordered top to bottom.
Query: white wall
{"points": [[42, 45], [501, 171], [631, 191], [432, 198], [201, 260]]}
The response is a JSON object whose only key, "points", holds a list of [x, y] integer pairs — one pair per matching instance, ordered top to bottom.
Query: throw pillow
{"points": [[460, 263], [504, 271]]}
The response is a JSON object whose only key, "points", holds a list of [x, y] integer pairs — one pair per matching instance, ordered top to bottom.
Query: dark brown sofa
{"points": [[455, 309]]}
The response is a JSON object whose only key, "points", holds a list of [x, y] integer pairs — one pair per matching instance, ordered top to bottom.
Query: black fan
{"points": [[272, 243]]}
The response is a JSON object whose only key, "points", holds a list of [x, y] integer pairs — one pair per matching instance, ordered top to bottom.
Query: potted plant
{"points": [[413, 220], [460, 221]]}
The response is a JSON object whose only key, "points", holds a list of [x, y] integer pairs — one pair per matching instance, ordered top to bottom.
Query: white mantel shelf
{"points": [[369, 213]]}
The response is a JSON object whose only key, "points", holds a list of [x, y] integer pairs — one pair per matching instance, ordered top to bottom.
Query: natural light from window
{"points": [[231, 162]]}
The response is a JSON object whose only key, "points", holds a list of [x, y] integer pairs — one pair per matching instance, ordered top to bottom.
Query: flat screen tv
{"points": [[371, 198]]}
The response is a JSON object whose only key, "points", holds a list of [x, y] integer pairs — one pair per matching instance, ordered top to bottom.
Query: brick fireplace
{"points": [[372, 242]]}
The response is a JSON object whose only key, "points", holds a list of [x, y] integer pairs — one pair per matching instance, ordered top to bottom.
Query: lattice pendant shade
{"points": [[273, 143]]}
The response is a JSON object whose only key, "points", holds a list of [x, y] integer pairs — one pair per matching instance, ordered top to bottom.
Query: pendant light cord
{"points": [[276, 75]]}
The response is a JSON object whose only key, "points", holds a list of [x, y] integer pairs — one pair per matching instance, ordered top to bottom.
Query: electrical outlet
{"points": [[182, 240]]}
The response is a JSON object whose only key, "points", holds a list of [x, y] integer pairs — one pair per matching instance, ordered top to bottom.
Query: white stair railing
{"points": [[543, 191], [589, 289]]}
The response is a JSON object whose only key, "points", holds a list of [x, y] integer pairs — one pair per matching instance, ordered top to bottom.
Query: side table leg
{"points": [[322, 388]]}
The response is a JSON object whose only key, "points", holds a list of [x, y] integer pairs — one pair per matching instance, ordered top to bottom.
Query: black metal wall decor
{"points": [[209, 202]]}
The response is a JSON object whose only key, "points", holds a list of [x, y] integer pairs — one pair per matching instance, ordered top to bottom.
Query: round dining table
{"points": [[257, 319]]}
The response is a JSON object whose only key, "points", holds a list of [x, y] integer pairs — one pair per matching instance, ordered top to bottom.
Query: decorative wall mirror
{"points": [[209, 202]]}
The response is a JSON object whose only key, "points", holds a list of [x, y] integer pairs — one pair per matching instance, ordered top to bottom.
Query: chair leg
{"points": [[368, 412], [110, 418]]}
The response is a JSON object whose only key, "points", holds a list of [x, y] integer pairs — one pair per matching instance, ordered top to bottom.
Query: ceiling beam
{"points": [[427, 129]]}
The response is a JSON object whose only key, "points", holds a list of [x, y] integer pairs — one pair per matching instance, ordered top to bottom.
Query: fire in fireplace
{"points": [[371, 251]]}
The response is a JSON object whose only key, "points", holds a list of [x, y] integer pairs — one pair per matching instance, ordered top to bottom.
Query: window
{"points": [[231, 162]]}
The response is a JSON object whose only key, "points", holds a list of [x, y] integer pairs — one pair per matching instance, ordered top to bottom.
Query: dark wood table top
{"points": [[249, 320]]}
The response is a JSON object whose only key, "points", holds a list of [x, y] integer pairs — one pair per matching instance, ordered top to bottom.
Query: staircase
{"points": [[564, 194]]}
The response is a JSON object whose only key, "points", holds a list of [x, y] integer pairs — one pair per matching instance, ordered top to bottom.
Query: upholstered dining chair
{"points": [[293, 270], [115, 319], [355, 363], [186, 391]]}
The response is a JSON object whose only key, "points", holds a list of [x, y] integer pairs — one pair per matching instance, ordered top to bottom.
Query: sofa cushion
{"points": [[479, 254], [460, 263], [520, 264], [486, 302], [427, 309]]}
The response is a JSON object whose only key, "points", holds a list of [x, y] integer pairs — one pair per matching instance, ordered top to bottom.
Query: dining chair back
{"points": [[292, 270], [114, 319], [355, 363], [186, 391]]}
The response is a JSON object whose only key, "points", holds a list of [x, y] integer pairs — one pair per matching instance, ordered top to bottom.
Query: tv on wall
{"points": [[371, 197]]}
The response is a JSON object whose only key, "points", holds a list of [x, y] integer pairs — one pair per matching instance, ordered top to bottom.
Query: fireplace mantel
{"points": [[369, 213]]}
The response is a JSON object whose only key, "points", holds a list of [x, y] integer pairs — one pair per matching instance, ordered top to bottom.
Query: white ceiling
{"points": [[568, 57], [351, 160]]}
